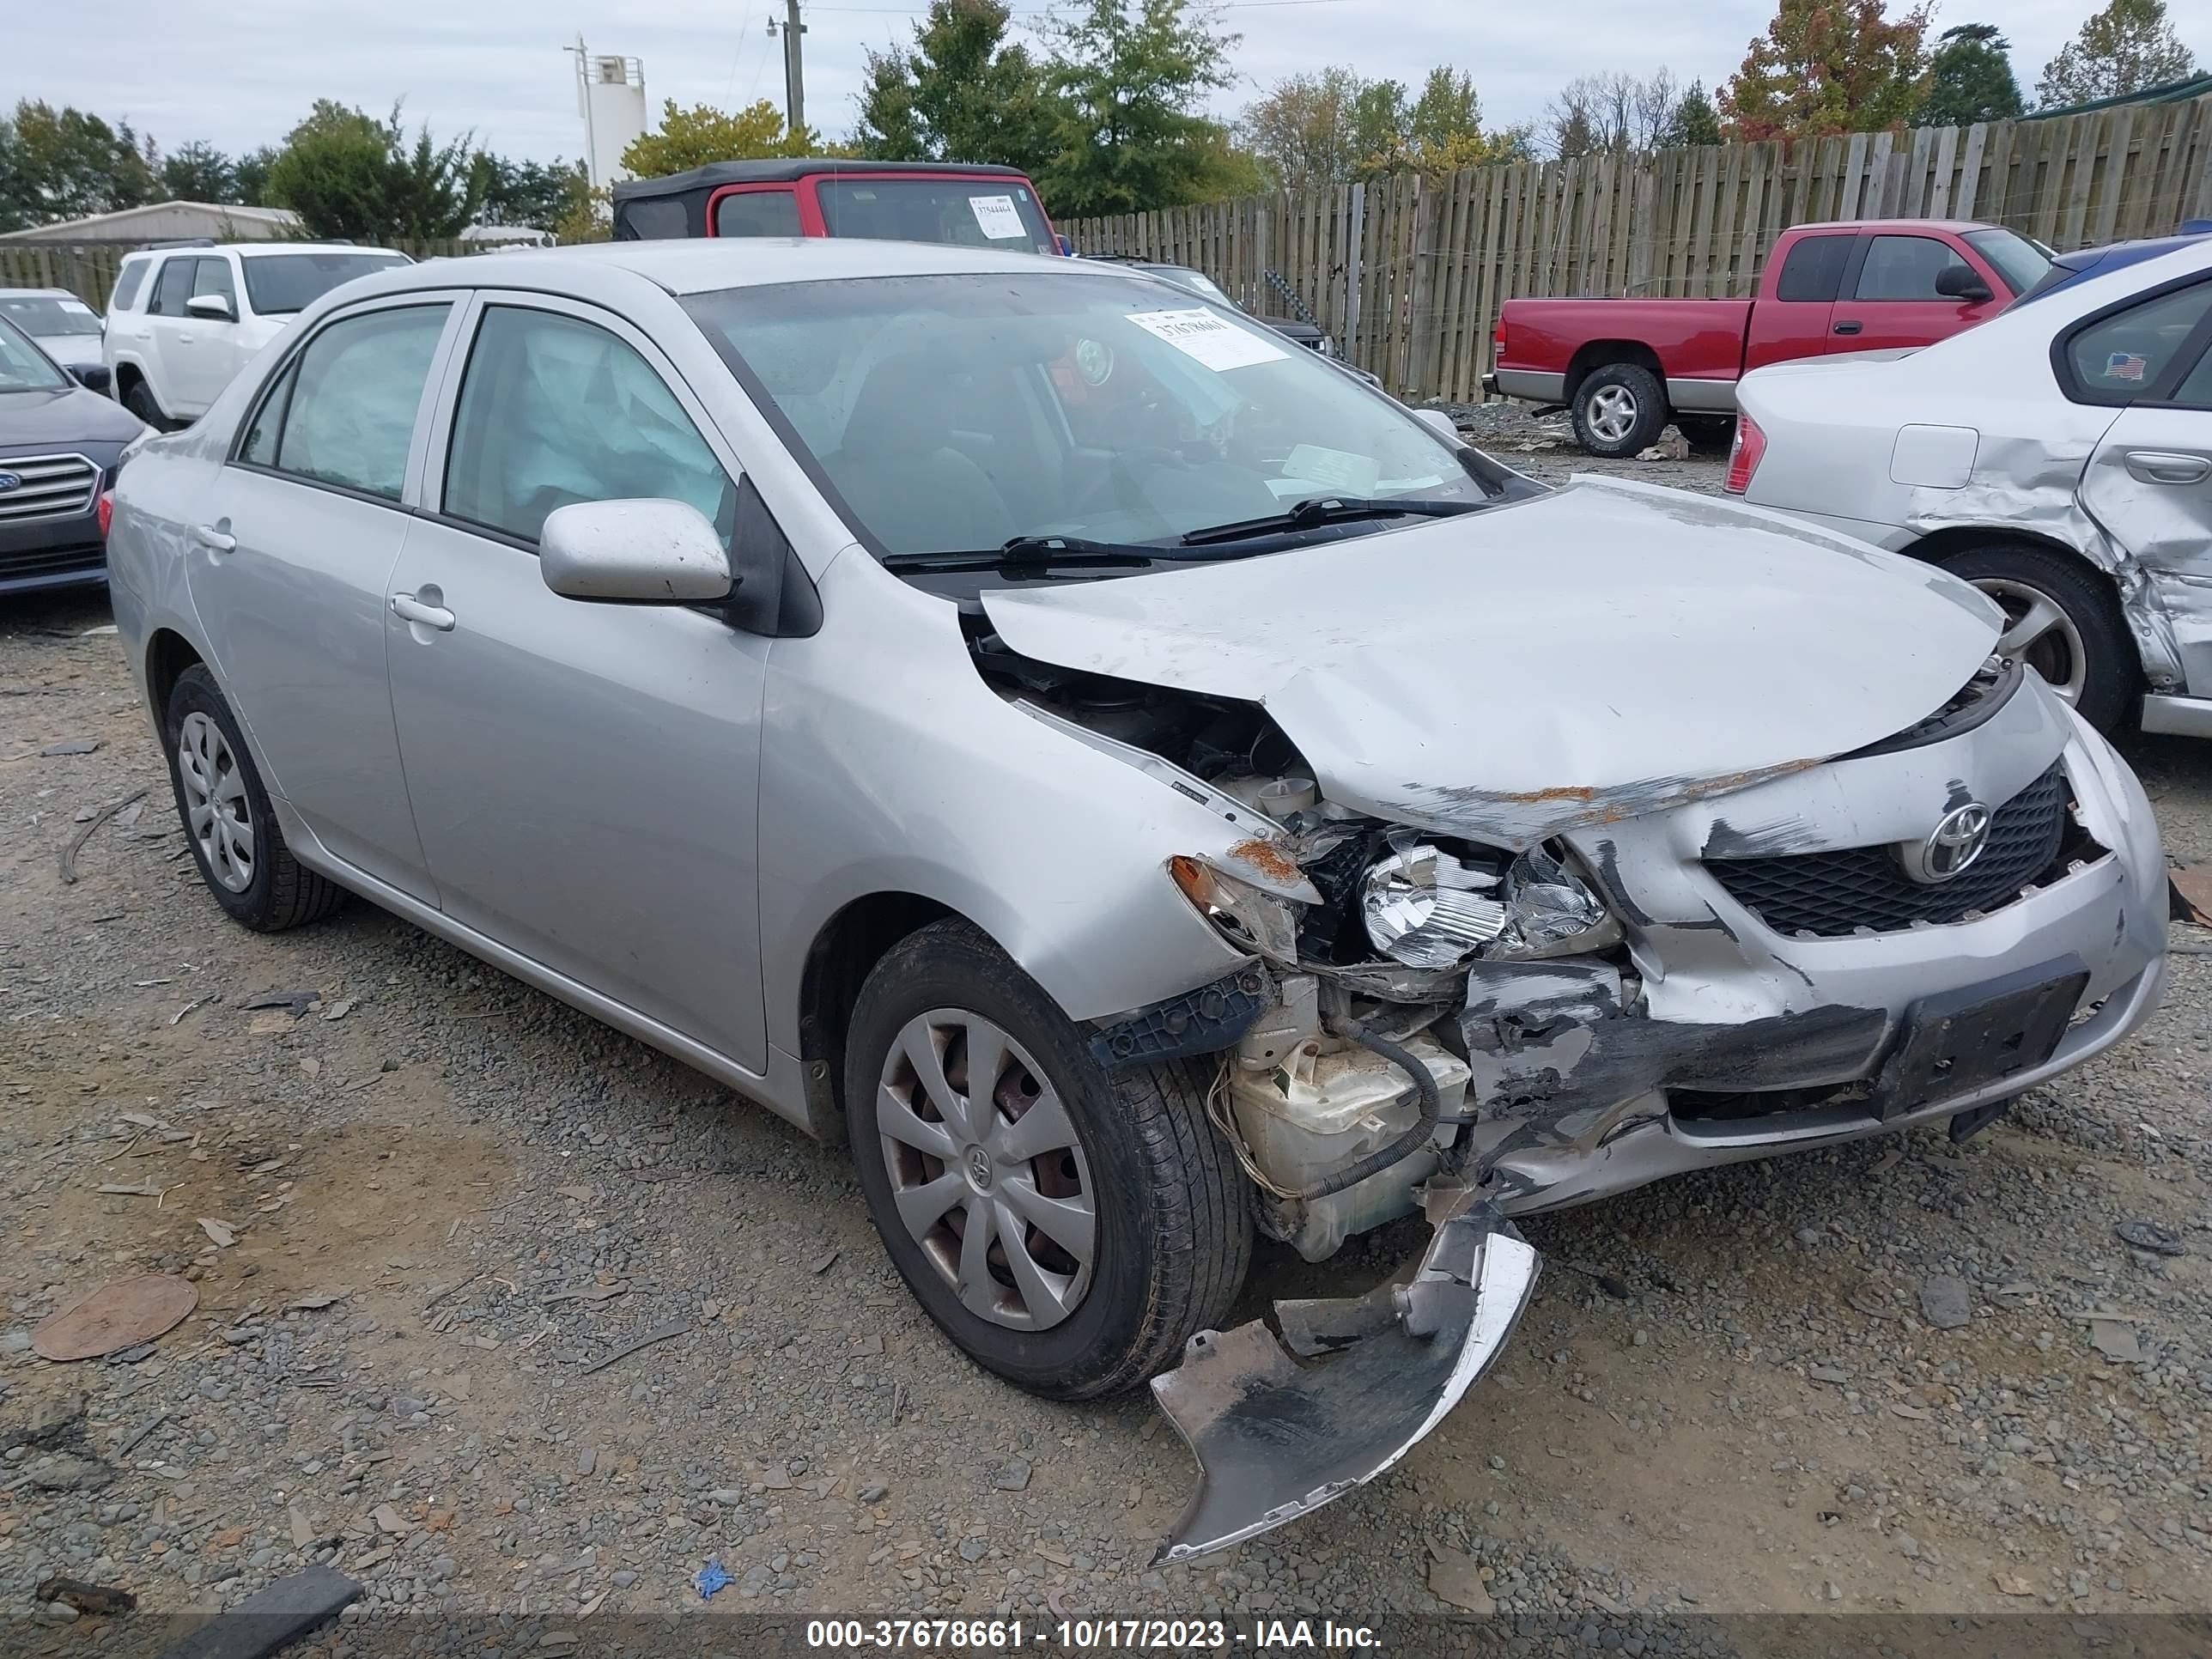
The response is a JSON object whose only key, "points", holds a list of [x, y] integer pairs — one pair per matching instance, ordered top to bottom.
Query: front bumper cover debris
{"points": [[1275, 1439]]}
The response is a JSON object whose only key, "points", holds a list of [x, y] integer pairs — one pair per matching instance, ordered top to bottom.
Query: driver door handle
{"points": [[1849, 327], [2164, 466], [208, 536], [411, 609]]}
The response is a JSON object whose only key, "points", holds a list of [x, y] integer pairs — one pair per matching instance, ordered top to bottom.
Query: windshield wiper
{"points": [[1328, 509], [1028, 550]]}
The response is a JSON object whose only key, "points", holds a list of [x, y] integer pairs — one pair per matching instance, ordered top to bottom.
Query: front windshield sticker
{"points": [[997, 217], [77, 308], [1208, 336], [1334, 469]]}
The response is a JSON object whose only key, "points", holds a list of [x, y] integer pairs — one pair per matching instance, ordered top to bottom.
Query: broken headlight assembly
{"points": [[1252, 903], [1427, 908]]}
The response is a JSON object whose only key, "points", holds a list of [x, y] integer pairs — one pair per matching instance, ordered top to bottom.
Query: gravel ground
{"points": [[1858, 1380]]}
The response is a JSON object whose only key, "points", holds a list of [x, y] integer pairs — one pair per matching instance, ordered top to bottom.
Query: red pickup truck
{"points": [[1623, 367]]}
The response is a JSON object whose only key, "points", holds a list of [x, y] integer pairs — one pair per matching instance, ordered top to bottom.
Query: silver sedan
{"points": [[2058, 456], [1134, 783]]}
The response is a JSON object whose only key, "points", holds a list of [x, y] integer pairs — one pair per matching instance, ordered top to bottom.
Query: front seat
{"points": [[910, 488]]}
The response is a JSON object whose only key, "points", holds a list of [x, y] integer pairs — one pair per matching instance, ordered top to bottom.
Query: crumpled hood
{"points": [[1606, 650]]}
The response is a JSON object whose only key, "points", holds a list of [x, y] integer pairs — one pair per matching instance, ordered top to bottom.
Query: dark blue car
{"points": [[2082, 264], [60, 441]]}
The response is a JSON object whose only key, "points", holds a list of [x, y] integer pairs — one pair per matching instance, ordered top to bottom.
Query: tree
{"points": [[2125, 48], [1828, 66], [1129, 77], [1969, 79], [962, 93], [1614, 113], [1695, 121], [1302, 129], [1327, 129], [692, 138], [67, 164], [198, 172], [349, 175], [250, 176], [534, 193]]}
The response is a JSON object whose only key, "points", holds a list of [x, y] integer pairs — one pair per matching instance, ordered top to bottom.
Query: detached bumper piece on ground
{"points": [[1276, 1438]]}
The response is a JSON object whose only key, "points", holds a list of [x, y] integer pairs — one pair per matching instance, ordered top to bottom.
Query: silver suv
{"points": [[1136, 785]]}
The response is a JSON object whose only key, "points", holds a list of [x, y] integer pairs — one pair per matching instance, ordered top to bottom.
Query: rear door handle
{"points": [[1848, 328], [2164, 466], [208, 536], [411, 609]]}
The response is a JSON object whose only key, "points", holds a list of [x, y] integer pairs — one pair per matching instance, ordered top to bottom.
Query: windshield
{"points": [[975, 211], [2019, 261], [279, 283], [46, 316], [23, 366], [954, 413]]}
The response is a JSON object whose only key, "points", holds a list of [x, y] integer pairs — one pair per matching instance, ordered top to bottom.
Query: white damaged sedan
{"points": [[1132, 783]]}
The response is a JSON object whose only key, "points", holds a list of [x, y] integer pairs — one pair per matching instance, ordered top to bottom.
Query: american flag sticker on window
{"points": [[2124, 366]]}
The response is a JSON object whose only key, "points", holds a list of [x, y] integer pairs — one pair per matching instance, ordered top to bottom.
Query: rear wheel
{"points": [[1619, 410], [2061, 621], [235, 839], [1069, 1228]]}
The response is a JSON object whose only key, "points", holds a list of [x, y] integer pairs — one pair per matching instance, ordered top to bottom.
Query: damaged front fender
{"points": [[1276, 1439]]}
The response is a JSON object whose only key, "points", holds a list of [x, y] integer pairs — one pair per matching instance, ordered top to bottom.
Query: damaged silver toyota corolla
{"points": [[1133, 780]]}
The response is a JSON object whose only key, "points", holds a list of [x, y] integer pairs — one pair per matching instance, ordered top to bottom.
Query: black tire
{"points": [[1641, 388], [138, 398], [2110, 669], [283, 893], [1173, 1229]]}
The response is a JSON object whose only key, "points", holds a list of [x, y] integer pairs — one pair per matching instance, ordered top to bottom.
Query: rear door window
{"points": [[758, 213], [1813, 270], [175, 287], [2126, 356], [344, 412]]}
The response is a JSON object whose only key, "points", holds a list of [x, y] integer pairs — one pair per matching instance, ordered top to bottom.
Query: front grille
{"points": [[50, 486], [51, 561], [1832, 894]]}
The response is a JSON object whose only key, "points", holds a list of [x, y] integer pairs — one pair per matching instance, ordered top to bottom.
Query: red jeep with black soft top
{"points": [[975, 205], [1623, 367]]}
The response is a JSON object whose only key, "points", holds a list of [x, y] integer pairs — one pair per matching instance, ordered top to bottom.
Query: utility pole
{"points": [[795, 70]]}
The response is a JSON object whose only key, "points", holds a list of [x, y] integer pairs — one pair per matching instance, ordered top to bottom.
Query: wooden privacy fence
{"points": [[88, 269], [1409, 274]]}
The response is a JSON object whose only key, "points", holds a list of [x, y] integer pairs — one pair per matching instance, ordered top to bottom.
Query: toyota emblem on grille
{"points": [[10, 481], [1955, 843]]}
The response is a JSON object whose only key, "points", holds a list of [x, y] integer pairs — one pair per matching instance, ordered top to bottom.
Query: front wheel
{"points": [[138, 398], [1619, 410], [2061, 621], [1069, 1228]]}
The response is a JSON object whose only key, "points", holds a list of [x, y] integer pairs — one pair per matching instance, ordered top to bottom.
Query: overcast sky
{"points": [[238, 73]]}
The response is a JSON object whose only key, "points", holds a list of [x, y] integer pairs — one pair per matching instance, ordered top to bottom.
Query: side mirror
{"points": [[1066, 247], [1959, 283], [215, 307], [93, 377], [1440, 423], [645, 552]]}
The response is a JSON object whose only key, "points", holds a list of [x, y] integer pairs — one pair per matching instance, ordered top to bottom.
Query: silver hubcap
{"points": [[1611, 413], [2040, 634], [216, 814], [985, 1169]]}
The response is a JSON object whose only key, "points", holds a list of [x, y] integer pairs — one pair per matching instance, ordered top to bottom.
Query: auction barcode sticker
{"points": [[999, 217], [1210, 337]]}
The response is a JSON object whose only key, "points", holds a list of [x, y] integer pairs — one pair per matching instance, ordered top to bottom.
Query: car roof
{"points": [[784, 169], [1955, 225], [698, 265]]}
